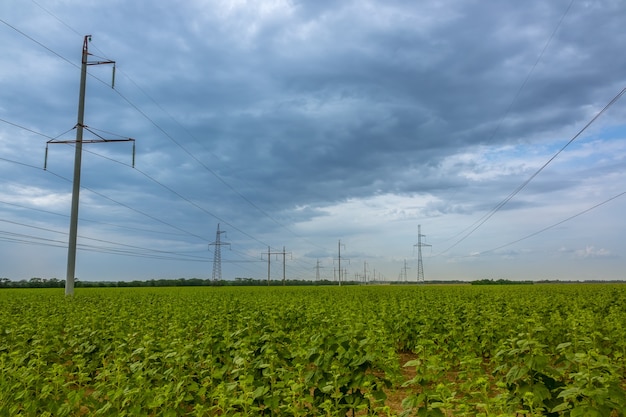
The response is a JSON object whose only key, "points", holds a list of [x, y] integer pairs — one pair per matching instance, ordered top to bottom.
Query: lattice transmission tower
{"points": [[419, 245], [217, 255]]}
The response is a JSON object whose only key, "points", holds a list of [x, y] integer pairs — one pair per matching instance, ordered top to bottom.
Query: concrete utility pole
{"points": [[419, 244], [339, 247], [71, 251], [269, 254], [217, 255], [339, 260], [284, 263], [365, 271]]}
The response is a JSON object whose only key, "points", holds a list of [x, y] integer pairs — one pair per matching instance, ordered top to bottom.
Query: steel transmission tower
{"points": [[419, 244], [217, 255], [317, 270], [404, 275]]}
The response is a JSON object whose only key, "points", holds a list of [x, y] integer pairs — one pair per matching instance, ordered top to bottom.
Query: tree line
{"points": [[36, 282]]}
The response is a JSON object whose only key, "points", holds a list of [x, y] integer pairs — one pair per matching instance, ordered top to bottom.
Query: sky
{"points": [[313, 127]]}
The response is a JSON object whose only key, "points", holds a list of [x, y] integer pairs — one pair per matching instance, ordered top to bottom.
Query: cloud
{"points": [[298, 123], [33, 196], [593, 253]]}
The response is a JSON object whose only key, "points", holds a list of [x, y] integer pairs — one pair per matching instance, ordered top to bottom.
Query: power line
{"points": [[56, 17], [39, 43], [521, 87], [518, 92], [179, 144], [189, 153], [202, 164], [151, 178], [161, 184], [109, 199], [119, 203], [497, 208], [82, 219], [485, 219], [553, 225], [131, 251]]}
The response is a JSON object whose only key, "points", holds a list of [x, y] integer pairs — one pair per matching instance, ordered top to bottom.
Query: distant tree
{"points": [[36, 282], [499, 282], [55, 283]]}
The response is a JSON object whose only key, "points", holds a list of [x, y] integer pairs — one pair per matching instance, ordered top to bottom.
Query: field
{"points": [[533, 350]]}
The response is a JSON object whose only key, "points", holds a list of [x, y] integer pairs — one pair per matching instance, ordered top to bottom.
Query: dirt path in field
{"points": [[396, 394]]}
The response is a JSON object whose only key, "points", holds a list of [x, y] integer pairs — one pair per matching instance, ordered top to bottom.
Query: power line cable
{"points": [[56, 17], [38, 43], [532, 70], [516, 96], [189, 153], [127, 165], [208, 169], [215, 174], [525, 183], [109, 199], [194, 204], [552, 226], [125, 227], [134, 248], [96, 249]]}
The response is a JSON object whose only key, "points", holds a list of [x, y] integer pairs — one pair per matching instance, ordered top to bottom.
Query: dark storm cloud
{"points": [[345, 112], [268, 115]]}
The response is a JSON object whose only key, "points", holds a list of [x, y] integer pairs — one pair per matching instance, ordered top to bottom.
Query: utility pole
{"points": [[80, 125], [419, 244], [339, 247], [285, 253], [269, 254], [217, 255], [339, 260], [268, 266], [365, 272]]}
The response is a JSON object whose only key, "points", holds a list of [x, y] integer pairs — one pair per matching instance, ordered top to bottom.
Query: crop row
{"points": [[315, 351]]}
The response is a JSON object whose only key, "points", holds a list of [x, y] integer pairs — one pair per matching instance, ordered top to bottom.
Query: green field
{"points": [[530, 350]]}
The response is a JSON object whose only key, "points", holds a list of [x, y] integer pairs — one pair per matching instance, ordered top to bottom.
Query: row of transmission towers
{"points": [[87, 61], [217, 259], [342, 274]]}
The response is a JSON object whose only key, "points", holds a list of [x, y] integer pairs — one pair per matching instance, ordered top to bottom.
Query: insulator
{"points": [[133, 154], [45, 161]]}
